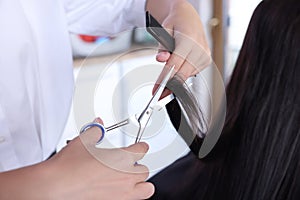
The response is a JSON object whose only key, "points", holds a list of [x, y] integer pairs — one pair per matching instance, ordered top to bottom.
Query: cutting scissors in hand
{"points": [[141, 120]]}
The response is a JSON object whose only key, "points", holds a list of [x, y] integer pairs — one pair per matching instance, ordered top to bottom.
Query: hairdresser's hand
{"points": [[182, 21], [192, 53], [81, 171], [85, 172]]}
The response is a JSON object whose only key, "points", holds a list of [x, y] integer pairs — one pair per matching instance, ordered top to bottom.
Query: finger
{"points": [[183, 48], [162, 56], [195, 56], [199, 58], [176, 60], [191, 67], [186, 71], [161, 77], [155, 87], [165, 93], [98, 120], [92, 135], [137, 150], [143, 170], [144, 190]]}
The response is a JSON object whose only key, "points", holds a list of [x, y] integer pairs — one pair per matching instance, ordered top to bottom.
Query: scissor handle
{"points": [[93, 124], [117, 125]]}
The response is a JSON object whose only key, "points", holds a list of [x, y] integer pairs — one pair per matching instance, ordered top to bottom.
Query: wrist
{"points": [[160, 9]]}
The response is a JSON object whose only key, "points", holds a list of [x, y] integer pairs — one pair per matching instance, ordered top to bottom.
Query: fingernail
{"points": [[163, 55], [98, 120], [145, 146]]}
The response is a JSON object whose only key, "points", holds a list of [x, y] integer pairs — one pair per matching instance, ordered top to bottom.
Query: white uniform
{"points": [[36, 76]]}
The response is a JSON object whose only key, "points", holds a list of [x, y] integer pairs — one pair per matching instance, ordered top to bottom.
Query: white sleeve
{"points": [[104, 17]]}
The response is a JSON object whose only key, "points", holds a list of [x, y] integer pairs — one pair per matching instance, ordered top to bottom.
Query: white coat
{"points": [[36, 75]]}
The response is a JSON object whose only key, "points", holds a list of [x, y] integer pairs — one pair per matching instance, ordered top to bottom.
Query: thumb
{"points": [[162, 56], [98, 120]]}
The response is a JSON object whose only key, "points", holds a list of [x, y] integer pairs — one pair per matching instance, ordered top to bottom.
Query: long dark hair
{"points": [[258, 155]]}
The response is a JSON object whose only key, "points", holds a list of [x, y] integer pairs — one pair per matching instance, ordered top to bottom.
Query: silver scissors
{"points": [[141, 120]]}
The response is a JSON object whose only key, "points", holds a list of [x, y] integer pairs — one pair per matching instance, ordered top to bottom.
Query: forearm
{"points": [[161, 8], [25, 183]]}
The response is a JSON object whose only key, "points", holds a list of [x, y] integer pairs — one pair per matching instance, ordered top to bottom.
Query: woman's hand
{"points": [[181, 20], [192, 53], [82, 171], [86, 172]]}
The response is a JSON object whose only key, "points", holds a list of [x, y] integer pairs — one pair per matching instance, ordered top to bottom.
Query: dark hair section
{"points": [[186, 115], [258, 154]]}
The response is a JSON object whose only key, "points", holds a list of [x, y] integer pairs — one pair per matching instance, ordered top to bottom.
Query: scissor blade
{"points": [[161, 87], [154, 99], [164, 101], [143, 119]]}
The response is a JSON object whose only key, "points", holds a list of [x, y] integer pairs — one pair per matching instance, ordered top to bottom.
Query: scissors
{"points": [[141, 120]]}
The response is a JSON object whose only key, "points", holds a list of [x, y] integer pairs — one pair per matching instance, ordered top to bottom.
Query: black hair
{"points": [[186, 115], [259, 150], [258, 153]]}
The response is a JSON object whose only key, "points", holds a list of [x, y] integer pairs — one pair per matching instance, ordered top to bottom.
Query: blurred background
{"points": [[225, 23]]}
